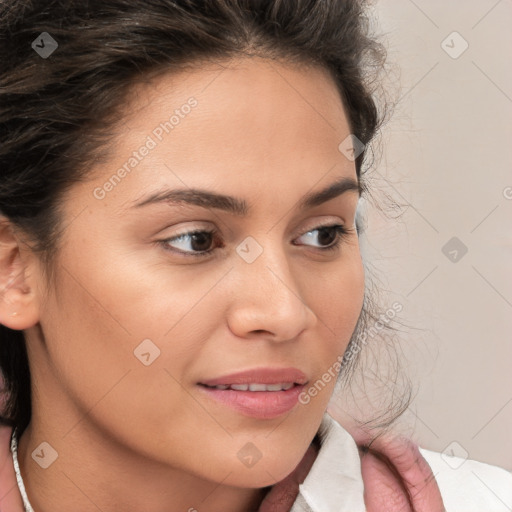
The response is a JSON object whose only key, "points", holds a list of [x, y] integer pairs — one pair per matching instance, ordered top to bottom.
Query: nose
{"points": [[267, 299]]}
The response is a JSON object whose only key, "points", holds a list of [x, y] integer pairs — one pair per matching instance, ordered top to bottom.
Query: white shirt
{"points": [[334, 482]]}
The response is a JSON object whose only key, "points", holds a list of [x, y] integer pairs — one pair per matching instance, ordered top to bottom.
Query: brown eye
{"points": [[327, 237], [201, 241], [193, 243]]}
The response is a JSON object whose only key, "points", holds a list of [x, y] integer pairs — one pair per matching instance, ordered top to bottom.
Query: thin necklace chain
{"points": [[14, 449]]}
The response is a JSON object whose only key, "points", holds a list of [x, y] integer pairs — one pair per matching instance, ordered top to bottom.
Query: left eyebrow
{"points": [[333, 190], [237, 206]]}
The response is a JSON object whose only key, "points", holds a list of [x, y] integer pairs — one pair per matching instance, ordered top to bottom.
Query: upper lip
{"points": [[260, 376]]}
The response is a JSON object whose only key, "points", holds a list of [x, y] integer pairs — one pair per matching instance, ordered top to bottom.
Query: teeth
{"points": [[240, 387], [257, 387], [272, 387]]}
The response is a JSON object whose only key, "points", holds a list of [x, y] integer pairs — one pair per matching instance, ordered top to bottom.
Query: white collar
{"points": [[334, 482]]}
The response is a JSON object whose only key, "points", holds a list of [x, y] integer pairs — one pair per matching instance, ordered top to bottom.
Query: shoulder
{"points": [[468, 485]]}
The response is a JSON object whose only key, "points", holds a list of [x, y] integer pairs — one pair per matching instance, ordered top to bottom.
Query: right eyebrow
{"points": [[198, 197]]}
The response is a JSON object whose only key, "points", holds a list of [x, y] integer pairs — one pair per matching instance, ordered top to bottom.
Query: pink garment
{"points": [[382, 476]]}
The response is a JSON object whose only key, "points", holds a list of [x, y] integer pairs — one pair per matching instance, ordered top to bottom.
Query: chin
{"points": [[261, 474]]}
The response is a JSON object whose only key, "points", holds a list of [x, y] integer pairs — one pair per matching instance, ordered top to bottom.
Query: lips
{"points": [[266, 376]]}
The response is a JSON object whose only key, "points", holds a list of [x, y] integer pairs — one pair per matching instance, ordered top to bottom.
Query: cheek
{"points": [[338, 298], [337, 301], [104, 326], [109, 361]]}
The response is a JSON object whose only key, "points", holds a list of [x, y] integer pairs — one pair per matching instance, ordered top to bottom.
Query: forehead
{"points": [[249, 99], [238, 124]]}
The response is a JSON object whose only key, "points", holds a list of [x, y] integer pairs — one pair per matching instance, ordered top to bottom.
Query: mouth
{"points": [[261, 393]]}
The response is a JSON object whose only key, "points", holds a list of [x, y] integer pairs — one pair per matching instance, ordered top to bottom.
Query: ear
{"points": [[19, 301]]}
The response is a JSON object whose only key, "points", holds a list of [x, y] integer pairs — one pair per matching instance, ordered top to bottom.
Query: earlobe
{"points": [[18, 301]]}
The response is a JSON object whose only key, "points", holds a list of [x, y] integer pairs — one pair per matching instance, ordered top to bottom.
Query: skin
{"points": [[133, 437]]}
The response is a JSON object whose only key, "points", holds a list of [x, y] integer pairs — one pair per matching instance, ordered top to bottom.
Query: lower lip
{"points": [[257, 404]]}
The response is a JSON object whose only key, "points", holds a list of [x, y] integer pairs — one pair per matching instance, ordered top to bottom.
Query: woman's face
{"points": [[141, 313]]}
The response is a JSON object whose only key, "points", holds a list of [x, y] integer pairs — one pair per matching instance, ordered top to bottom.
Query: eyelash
{"points": [[340, 230]]}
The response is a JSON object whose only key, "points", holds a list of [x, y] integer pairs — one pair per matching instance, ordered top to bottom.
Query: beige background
{"points": [[447, 157]]}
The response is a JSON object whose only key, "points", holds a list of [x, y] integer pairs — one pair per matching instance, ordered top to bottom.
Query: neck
{"points": [[95, 473]]}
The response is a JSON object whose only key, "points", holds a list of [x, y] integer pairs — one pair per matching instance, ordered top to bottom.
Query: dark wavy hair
{"points": [[57, 114]]}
